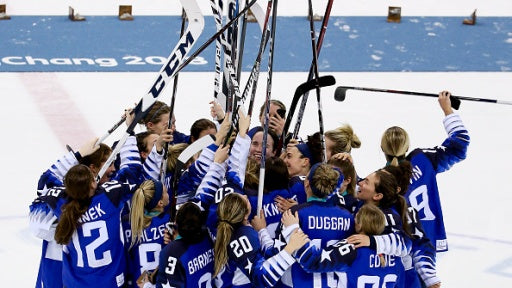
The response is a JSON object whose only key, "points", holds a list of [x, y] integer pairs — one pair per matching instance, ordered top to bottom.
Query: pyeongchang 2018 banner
{"points": [[351, 44]]}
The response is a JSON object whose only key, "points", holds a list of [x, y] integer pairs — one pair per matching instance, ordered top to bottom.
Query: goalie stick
{"points": [[167, 72], [302, 89]]}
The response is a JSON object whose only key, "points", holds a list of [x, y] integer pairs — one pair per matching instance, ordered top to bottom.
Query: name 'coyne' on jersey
{"points": [[328, 223]]}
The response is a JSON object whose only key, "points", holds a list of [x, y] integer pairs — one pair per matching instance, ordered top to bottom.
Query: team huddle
{"points": [[151, 220]]}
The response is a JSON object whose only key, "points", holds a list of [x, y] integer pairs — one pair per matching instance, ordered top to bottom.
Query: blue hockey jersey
{"points": [[423, 193], [270, 210], [325, 224], [96, 252], [144, 256], [186, 265], [247, 267], [355, 268]]}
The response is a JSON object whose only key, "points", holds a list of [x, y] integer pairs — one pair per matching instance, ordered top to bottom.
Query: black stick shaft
{"points": [[316, 76], [304, 100], [455, 100], [267, 107], [163, 166]]}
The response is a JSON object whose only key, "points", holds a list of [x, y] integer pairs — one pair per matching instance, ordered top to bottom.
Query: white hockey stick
{"points": [[167, 72]]}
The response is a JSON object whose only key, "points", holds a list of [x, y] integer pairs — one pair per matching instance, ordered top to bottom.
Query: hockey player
{"points": [[341, 139], [299, 159], [276, 184], [423, 193], [346, 195], [42, 218], [323, 222], [89, 228], [144, 229], [188, 260], [239, 261], [420, 264], [363, 266], [50, 267]]}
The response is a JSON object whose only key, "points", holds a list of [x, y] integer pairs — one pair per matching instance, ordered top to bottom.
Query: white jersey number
{"points": [[419, 201], [240, 246], [91, 247], [145, 250], [333, 279], [205, 281], [364, 281]]}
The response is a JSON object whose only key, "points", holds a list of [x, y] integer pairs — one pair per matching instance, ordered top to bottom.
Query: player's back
{"points": [[368, 270]]}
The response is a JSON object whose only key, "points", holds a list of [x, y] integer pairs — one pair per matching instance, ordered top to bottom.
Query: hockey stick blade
{"points": [[323, 81], [302, 89], [340, 93], [195, 147]]}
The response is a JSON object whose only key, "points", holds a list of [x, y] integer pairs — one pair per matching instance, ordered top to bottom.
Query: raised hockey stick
{"points": [[217, 8], [211, 39], [319, 43], [241, 45], [171, 68], [167, 72], [253, 76], [316, 76], [252, 81], [301, 90], [341, 92], [267, 107], [111, 130], [163, 165]]}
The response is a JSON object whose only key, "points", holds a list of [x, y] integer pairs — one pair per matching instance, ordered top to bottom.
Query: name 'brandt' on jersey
{"points": [[328, 223]]}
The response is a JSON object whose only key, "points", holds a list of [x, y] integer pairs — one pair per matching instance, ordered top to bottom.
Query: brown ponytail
{"points": [[78, 182]]}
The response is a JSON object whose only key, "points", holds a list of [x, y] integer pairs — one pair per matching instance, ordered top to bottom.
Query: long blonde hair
{"points": [[344, 139], [394, 144], [173, 153], [230, 214], [140, 217]]}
